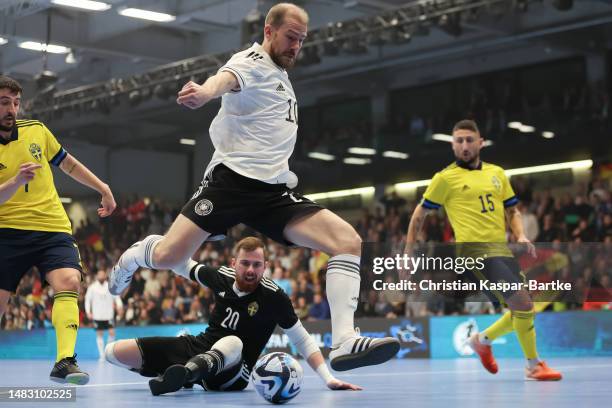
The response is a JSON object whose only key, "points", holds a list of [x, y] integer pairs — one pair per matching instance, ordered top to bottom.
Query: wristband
{"points": [[324, 373]]}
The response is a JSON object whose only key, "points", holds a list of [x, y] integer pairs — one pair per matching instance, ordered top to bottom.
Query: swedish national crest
{"points": [[36, 151]]}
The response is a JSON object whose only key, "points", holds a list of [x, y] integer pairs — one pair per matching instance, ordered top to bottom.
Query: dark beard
{"points": [[279, 62], [7, 128], [472, 163]]}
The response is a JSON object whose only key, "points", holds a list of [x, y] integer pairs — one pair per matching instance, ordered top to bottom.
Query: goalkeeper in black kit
{"points": [[247, 309]]}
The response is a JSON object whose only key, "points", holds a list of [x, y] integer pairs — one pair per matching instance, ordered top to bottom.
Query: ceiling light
{"points": [[83, 4], [147, 15], [3, 40], [51, 48], [515, 125], [526, 129], [548, 135], [442, 137], [188, 142], [361, 150], [395, 155], [321, 156], [357, 160], [575, 165], [341, 193]]}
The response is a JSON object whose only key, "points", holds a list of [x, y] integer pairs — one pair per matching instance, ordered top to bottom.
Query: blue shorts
{"points": [[20, 250], [498, 269]]}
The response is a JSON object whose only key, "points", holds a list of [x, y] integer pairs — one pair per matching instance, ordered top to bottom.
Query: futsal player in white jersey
{"points": [[248, 181], [100, 307]]}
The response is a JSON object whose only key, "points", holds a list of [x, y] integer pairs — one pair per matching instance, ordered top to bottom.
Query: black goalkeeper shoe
{"points": [[67, 371], [173, 379]]}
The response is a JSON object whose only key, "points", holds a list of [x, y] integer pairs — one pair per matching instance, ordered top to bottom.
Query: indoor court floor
{"points": [[406, 383]]}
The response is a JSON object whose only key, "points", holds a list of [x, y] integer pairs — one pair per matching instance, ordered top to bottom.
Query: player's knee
{"points": [[348, 243], [70, 281], [520, 301], [231, 348], [117, 360]]}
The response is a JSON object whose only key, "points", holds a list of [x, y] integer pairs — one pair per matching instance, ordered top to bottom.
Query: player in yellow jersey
{"points": [[477, 198], [34, 227]]}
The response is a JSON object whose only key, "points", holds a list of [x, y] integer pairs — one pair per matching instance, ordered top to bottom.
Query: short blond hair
{"points": [[276, 14]]}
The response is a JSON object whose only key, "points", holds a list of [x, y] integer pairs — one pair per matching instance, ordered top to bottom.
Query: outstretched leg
{"points": [[327, 232], [157, 252]]}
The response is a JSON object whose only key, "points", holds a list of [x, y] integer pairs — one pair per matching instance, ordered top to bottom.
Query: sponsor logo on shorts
{"points": [[203, 207]]}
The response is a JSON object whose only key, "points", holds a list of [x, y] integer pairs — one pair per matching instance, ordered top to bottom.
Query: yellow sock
{"points": [[65, 319], [524, 326], [501, 327]]}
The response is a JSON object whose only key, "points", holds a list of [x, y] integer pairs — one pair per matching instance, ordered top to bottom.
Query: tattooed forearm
{"points": [[72, 168], [418, 224]]}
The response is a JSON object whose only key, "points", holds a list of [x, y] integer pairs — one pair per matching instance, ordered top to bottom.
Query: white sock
{"points": [[141, 254], [185, 268], [343, 280], [484, 339], [100, 343], [230, 348], [532, 362]]}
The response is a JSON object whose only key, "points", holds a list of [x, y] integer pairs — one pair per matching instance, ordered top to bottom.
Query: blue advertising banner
{"points": [[559, 334], [40, 343]]}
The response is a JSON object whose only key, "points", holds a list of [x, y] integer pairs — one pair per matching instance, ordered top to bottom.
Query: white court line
{"points": [[459, 371], [403, 374], [110, 385]]}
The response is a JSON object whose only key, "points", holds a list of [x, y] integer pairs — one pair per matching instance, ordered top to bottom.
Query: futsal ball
{"points": [[277, 377]]}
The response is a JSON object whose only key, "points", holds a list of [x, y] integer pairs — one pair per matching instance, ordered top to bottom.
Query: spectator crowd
{"points": [[573, 219]]}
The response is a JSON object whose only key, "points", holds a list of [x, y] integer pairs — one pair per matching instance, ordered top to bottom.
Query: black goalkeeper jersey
{"points": [[251, 317]]}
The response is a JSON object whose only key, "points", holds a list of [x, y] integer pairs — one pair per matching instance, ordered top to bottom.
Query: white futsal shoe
{"points": [[121, 274], [360, 351]]}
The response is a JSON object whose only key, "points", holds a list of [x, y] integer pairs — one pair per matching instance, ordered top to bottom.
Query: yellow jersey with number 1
{"points": [[474, 201], [35, 206]]}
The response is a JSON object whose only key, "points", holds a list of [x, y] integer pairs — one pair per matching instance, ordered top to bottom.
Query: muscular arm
{"points": [[194, 96], [75, 169], [10, 187], [515, 220], [416, 223], [516, 225]]}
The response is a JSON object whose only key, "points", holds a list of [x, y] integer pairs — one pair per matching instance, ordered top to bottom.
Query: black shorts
{"points": [[226, 198], [20, 250], [499, 269], [103, 324], [159, 353]]}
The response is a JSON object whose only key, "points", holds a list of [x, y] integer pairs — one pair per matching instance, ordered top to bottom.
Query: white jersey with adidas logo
{"points": [[255, 131]]}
